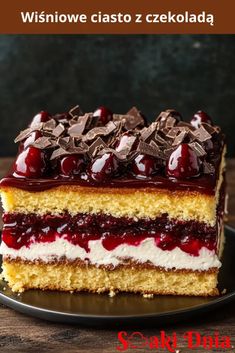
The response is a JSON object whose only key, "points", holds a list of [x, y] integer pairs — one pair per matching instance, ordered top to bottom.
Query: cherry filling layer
{"points": [[23, 230]]}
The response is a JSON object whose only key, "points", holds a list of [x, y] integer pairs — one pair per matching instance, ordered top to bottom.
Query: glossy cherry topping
{"points": [[104, 115], [41, 117], [199, 118], [31, 139], [119, 150], [30, 163], [183, 163], [71, 165], [144, 165], [104, 167]]}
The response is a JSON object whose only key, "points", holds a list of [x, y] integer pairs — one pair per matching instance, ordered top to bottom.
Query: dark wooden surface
{"points": [[20, 333]]}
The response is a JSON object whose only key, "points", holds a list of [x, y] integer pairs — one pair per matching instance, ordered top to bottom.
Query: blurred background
{"points": [[153, 72]]}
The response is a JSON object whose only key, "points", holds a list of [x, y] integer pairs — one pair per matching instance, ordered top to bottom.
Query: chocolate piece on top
{"points": [[75, 111], [136, 119], [49, 125], [78, 127], [58, 130], [100, 131], [201, 134], [125, 136], [43, 142], [96, 146], [145, 148], [198, 149]]}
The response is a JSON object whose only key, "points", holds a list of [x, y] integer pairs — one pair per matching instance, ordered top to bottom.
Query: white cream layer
{"points": [[98, 255]]}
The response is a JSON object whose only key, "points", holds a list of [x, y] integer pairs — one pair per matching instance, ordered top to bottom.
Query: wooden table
{"points": [[20, 333]]}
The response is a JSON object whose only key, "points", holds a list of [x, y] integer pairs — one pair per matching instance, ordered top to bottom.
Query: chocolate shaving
{"points": [[75, 111], [163, 116], [119, 117], [135, 119], [170, 121], [49, 125], [185, 125], [209, 128], [77, 129], [58, 130], [100, 131], [173, 132], [146, 133], [201, 134], [23, 135], [180, 137], [160, 140], [42, 142], [65, 142], [96, 146], [145, 148], [198, 149], [59, 153], [161, 153], [120, 155]]}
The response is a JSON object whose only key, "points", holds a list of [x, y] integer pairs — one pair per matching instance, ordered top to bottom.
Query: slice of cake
{"points": [[106, 202]]}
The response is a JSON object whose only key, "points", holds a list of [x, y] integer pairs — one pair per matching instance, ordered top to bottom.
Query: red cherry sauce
{"points": [[190, 236]]}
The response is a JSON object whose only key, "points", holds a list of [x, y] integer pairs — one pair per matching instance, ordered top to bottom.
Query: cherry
{"points": [[104, 115], [41, 117], [199, 118], [31, 139], [30, 163], [183, 163], [72, 164], [145, 165], [103, 167], [13, 241], [166, 241], [190, 245]]}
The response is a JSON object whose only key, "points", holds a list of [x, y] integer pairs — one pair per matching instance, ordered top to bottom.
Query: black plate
{"points": [[100, 309]]}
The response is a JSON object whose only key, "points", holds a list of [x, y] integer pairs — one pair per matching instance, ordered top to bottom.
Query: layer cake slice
{"points": [[105, 202]]}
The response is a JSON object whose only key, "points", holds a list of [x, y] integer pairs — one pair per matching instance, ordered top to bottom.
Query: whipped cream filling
{"points": [[98, 255]]}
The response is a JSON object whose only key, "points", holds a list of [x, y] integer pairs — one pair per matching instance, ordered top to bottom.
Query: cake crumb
{"points": [[72, 291], [224, 291], [112, 293], [148, 295]]}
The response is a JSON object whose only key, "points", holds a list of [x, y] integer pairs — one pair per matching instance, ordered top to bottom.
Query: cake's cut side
{"points": [[115, 206], [69, 277]]}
